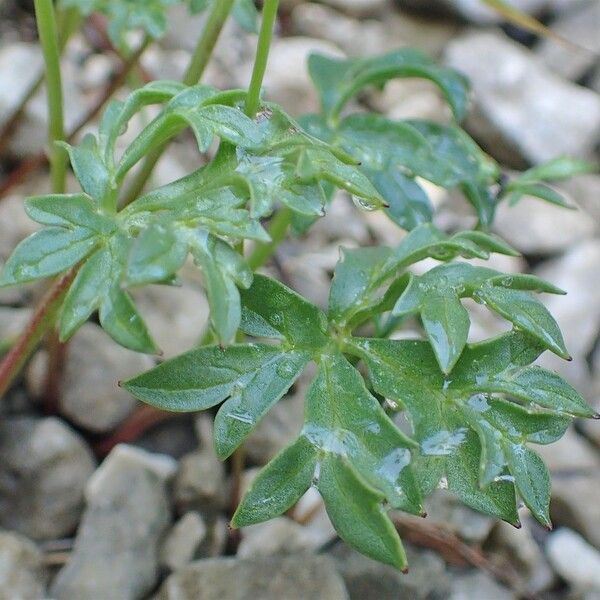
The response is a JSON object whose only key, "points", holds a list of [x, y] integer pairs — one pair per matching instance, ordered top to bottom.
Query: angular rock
{"points": [[359, 8], [475, 10], [580, 25], [379, 36], [20, 66], [514, 121], [537, 228], [577, 272], [176, 316], [90, 395], [174, 437], [571, 454], [44, 467], [200, 483], [575, 504], [276, 537], [182, 542], [518, 548], [116, 550], [574, 559], [22, 571], [272, 578], [367, 579], [478, 585]]}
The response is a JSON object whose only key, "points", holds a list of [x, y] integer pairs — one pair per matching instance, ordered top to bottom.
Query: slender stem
{"points": [[46, 23], [67, 23], [49, 40], [207, 42], [202, 53], [262, 56], [34, 162], [282, 219], [277, 230], [42, 320]]}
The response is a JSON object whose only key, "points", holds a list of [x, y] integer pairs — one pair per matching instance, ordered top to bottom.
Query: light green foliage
{"points": [[150, 16], [205, 213], [474, 410]]}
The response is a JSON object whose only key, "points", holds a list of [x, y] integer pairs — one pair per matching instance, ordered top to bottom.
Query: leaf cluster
{"points": [[150, 16], [204, 214], [472, 410], [470, 427]]}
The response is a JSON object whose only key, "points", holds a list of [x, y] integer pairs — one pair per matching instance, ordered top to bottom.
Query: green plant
{"points": [[149, 15], [473, 408]]}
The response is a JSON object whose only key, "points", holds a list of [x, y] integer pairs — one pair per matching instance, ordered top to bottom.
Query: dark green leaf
{"points": [[338, 80], [230, 124], [562, 167], [516, 191], [223, 268], [355, 275], [86, 292], [501, 293], [270, 303], [527, 313], [120, 319], [446, 322], [204, 377], [250, 401], [461, 427], [361, 432], [532, 480], [279, 485], [497, 499], [356, 511]]}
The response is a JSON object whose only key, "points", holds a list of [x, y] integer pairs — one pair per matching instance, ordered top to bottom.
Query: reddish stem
{"points": [[41, 321], [57, 355], [143, 419]]}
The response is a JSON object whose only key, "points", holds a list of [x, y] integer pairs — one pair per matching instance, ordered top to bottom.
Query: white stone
{"points": [[522, 108], [126, 456], [574, 559]]}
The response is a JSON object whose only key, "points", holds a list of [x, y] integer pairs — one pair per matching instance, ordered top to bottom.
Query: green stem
{"points": [[68, 22], [46, 23], [206, 44], [204, 49], [262, 56], [281, 221], [277, 230], [5, 345]]}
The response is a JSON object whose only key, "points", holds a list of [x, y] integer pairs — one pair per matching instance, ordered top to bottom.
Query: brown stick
{"points": [[142, 419], [456, 552]]}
